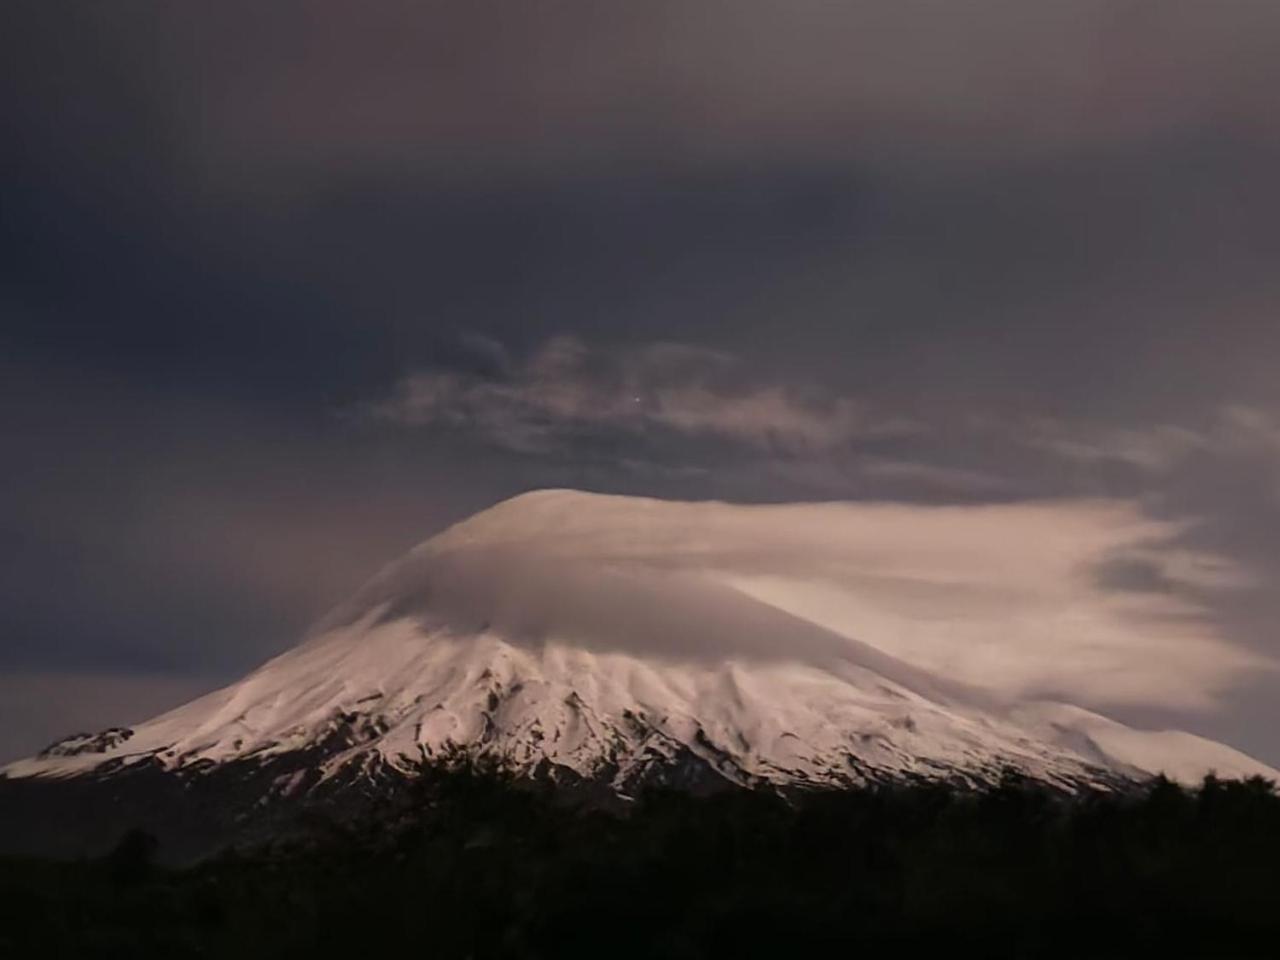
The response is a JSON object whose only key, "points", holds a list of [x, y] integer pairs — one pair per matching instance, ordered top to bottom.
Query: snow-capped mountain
{"points": [[610, 640]]}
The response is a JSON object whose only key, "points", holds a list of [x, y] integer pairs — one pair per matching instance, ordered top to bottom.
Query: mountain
{"points": [[593, 642]]}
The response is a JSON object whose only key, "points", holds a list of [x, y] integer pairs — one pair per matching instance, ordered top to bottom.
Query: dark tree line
{"points": [[478, 866]]}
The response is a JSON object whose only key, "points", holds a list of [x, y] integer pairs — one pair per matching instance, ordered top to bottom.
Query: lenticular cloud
{"points": [[1004, 599]]}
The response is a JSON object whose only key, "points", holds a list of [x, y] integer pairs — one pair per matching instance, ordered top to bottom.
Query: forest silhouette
{"points": [[475, 864]]}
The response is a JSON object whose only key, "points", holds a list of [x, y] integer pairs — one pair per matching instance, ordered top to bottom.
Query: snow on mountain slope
{"points": [[574, 635]]}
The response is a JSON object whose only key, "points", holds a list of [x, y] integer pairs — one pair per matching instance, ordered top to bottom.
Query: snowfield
{"points": [[608, 638]]}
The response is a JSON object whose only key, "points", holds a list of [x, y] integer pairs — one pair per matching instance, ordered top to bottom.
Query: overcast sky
{"points": [[288, 287]]}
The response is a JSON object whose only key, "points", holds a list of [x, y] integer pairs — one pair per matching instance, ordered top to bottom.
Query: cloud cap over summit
{"points": [[1009, 599]]}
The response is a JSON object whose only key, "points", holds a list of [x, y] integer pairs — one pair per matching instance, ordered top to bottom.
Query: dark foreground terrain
{"points": [[479, 867]]}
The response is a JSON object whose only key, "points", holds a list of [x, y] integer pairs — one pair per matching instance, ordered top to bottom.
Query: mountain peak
{"points": [[615, 640]]}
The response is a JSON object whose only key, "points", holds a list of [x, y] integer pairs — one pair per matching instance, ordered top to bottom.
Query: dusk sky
{"points": [[287, 288]]}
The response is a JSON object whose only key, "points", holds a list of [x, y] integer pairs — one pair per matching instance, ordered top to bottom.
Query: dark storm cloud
{"points": [[394, 87], [991, 199], [1045, 231]]}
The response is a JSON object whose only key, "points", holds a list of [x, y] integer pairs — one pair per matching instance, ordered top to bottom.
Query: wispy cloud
{"points": [[566, 389], [1231, 432], [1155, 449]]}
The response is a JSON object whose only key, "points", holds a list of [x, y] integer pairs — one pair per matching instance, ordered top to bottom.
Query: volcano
{"points": [[602, 644]]}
